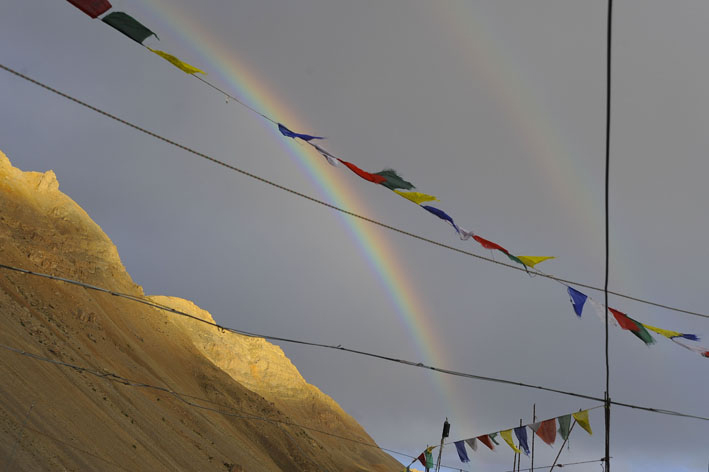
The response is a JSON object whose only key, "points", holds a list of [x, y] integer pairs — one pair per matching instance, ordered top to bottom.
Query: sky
{"points": [[495, 107]]}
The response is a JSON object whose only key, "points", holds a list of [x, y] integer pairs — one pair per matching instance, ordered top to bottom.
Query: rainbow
{"points": [[218, 60]]}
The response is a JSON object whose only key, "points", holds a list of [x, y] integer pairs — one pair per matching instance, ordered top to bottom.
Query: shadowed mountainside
{"points": [[81, 422]]}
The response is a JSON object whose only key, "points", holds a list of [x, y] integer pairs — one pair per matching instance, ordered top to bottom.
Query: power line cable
{"points": [[343, 210], [339, 347]]}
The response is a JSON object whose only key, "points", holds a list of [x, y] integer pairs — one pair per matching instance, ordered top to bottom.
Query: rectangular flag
{"points": [[128, 25]]}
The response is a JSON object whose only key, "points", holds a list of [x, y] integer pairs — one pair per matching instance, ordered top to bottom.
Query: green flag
{"points": [[128, 25], [394, 181], [564, 426]]}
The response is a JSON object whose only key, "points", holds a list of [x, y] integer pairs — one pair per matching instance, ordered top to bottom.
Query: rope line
{"points": [[343, 210], [339, 347]]}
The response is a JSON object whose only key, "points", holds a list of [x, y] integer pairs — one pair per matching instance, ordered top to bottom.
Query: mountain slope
{"points": [[76, 421]]}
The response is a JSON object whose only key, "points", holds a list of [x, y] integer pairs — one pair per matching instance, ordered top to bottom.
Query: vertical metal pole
{"points": [[534, 420], [444, 435]]}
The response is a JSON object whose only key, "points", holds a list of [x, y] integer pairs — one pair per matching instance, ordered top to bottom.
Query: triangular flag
{"points": [[93, 8], [128, 25], [178, 63], [292, 134], [374, 178], [394, 181], [416, 197], [442, 215], [490, 245], [531, 261], [577, 300], [601, 312], [633, 326], [671, 334], [702, 351], [582, 419], [535, 426], [564, 426], [547, 431], [521, 433], [507, 436], [492, 437], [485, 439], [472, 443], [462, 454], [429, 458], [422, 459]]}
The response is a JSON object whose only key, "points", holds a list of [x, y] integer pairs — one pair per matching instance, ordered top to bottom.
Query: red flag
{"points": [[93, 8], [377, 179], [489, 244], [624, 321], [547, 431], [486, 441], [422, 459]]}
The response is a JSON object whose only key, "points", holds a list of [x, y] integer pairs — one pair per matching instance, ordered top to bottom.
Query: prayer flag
{"points": [[93, 8], [128, 25], [183, 66], [291, 134], [332, 160], [374, 178], [394, 180], [416, 197], [442, 215], [490, 245], [531, 261], [578, 299], [601, 311], [633, 326], [671, 334], [702, 351], [582, 419], [535, 426], [564, 426], [547, 431], [521, 433], [507, 436], [492, 437], [485, 439], [472, 443], [462, 454], [429, 458], [422, 459]]}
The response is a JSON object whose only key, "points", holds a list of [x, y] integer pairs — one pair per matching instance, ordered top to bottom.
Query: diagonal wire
{"points": [[343, 210]]}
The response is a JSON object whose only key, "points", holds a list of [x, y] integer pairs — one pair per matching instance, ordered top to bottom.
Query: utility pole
{"points": [[446, 432]]}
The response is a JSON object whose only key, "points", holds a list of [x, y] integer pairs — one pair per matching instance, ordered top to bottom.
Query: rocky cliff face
{"points": [[55, 418]]}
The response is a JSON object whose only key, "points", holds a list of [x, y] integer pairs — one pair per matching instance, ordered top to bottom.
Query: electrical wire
{"points": [[343, 210], [339, 347]]}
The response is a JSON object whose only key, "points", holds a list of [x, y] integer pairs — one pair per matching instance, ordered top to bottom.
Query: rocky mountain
{"points": [[243, 406]]}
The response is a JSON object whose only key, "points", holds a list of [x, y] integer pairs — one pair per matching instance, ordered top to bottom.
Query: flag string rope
{"points": [[535, 272], [339, 347]]}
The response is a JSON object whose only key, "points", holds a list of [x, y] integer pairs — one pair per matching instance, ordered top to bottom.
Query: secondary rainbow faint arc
{"points": [[377, 250]]}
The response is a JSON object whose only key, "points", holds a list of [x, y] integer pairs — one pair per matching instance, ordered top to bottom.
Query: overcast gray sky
{"points": [[496, 107]]}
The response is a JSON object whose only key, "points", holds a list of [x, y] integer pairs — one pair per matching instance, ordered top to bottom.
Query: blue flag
{"points": [[290, 134], [442, 215], [577, 300], [521, 433], [462, 453]]}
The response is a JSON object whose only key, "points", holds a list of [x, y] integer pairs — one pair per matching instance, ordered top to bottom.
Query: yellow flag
{"points": [[177, 63], [416, 197], [531, 261], [665, 332], [582, 419], [507, 436]]}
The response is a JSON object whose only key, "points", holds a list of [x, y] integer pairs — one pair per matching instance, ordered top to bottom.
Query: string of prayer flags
{"points": [[93, 8], [129, 26], [183, 66], [292, 134], [394, 181], [416, 197], [531, 261], [577, 300], [633, 326], [581, 418], [564, 426], [546, 430], [521, 433], [507, 436], [486, 440], [462, 454]]}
